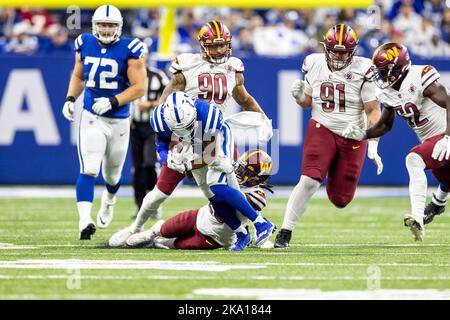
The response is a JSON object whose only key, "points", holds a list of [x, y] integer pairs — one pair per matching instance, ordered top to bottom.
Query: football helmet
{"points": [[107, 24], [215, 41], [340, 44], [391, 62], [180, 114], [254, 168]]}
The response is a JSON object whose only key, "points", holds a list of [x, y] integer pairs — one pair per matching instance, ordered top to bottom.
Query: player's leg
{"points": [[91, 145], [318, 151], [149, 161], [112, 165], [345, 170], [167, 182], [417, 194], [437, 204], [179, 226]]}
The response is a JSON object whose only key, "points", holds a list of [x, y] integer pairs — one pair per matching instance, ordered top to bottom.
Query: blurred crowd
{"points": [[422, 25]]}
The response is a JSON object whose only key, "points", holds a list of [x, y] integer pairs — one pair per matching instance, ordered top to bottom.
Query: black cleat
{"points": [[432, 209], [87, 232], [283, 238]]}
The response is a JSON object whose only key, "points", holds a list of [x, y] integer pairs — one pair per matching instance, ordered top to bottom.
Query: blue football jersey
{"points": [[105, 69]]}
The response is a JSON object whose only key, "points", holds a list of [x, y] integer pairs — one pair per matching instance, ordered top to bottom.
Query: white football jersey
{"points": [[208, 81], [338, 96], [424, 116], [208, 225]]}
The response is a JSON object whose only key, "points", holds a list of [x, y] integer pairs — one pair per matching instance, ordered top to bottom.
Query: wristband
{"points": [[70, 98], [114, 102]]}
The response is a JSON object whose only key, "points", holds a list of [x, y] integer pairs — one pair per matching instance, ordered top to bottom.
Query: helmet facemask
{"points": [[106, 32], [216, 58], [338, 64]]}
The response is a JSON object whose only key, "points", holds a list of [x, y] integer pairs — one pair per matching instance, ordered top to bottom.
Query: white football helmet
{"points": [[111, 15], [180, 114]]}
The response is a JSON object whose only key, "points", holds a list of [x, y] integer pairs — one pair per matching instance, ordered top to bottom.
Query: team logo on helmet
{"points": [[254, 168]]}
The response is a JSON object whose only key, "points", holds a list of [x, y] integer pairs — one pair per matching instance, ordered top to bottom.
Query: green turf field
{"points": [[361, 249]]}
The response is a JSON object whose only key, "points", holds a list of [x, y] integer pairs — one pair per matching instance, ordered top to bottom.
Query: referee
{"points": [[142, 137]]}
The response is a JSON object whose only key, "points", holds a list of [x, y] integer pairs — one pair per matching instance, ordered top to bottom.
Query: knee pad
{"points": [[414, 161], [90, 169], [112, 178]]}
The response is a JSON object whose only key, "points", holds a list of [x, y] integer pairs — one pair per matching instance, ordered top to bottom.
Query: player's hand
{"points": [[297, 89], [101, 105], [69, 108], [265, 132], [354, 133], [441, 149], [372, 154], [181, 159], [221, 163], [174, 164]]}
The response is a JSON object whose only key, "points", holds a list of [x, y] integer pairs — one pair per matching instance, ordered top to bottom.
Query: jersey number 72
{"points": [[104, 75]]}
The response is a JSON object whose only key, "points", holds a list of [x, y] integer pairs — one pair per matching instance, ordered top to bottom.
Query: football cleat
{"points": [[432, 209], [106, 212], [416, 228], [87, 231], [263, 231], [120, 237], [146, 238], [283, 238], [242, 241]]}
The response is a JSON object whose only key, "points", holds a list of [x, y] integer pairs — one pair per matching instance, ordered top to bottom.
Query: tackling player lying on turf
{"points": [[111, 70], [215, 76], [336, 88], [414, 93], [207, 152], [202, 228]]}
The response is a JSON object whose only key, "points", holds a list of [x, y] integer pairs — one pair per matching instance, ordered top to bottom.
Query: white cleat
{"points": [[106, 212], [417, 228], [87, 229], [145, 238], [119, 239]]}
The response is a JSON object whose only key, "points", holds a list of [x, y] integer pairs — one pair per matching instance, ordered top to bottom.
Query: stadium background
{"points": [[37, 145]]}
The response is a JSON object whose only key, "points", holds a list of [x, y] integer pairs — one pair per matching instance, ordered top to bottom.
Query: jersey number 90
{"points": [[213, 87]]}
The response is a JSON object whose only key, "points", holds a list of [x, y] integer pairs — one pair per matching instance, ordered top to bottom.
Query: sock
{"points": [[417, 185], [112, 190], [440, 196], [236, 199], [298, 201], [150, 205], [84, 211], [226, 213]]}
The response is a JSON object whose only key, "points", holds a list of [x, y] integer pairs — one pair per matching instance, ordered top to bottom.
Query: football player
{"points": [[112, 73], [214, 76], [335, 86], [414, 93], [207, 153], [202, 228]]}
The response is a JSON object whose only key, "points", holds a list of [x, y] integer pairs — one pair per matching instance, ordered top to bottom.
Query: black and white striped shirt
{"points": [[156, 82]]}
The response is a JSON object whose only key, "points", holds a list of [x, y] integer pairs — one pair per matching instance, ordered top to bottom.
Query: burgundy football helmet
{"points": [[213, 37], [340, 44], [391, 62], [253, 168]]}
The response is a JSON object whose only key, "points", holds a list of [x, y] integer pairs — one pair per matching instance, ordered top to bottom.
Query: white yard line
{"points": [[316, 294], [82, 296]]}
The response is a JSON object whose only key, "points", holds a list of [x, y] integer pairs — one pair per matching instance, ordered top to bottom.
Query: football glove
{"points": [[297, 90], [103, 105], [69, 108], [354, 133], [441, 149], [372, 154], [181, 160], [222, 163]]}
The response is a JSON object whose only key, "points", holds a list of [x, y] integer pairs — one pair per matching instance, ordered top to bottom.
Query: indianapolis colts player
{"points": [[111, 70], [208, 153]]}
